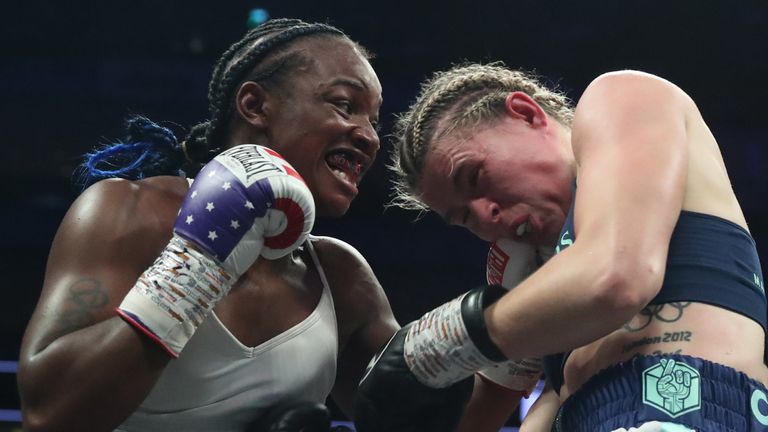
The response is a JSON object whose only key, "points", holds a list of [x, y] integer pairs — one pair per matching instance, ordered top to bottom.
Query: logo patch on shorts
{"points": [[565, 241], [759, 282], [672, 387], [757, 397]]}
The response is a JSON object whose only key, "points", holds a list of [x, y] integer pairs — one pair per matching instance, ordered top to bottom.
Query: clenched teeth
{"points": [[342, 160], [341, 174], [523, 229]]}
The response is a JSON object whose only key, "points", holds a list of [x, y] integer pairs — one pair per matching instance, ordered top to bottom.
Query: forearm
{"points": [[538, 317], [90, 379]]}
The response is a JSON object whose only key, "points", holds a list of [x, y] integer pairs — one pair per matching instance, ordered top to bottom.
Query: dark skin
{"points": [[117, 228], [76, 346]]}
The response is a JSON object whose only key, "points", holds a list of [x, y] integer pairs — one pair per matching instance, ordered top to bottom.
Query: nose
{"points": [[365, 138], [485, 219]]}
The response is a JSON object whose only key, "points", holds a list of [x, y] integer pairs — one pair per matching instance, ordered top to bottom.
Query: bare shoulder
{"points": [[629, 77], [631, 85], [628, 103], [124, 206], [115, 209], [115, 221], [111, 233], [336, 250], [344, 264], [357, 293]]}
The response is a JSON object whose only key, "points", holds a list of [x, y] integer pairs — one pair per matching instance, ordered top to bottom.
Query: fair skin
{"points": [[638, 147], [541, 415]]}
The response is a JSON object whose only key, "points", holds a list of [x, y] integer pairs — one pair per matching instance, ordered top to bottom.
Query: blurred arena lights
{"points": [[257, 17]]}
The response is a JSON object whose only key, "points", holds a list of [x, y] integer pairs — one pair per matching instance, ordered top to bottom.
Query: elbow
{"points": [[626, 285], [37, 414], [45, 418], [37, 420]]}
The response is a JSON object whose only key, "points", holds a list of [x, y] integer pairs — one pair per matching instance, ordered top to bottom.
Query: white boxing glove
{"points": [[247, 202], [509, 263]]}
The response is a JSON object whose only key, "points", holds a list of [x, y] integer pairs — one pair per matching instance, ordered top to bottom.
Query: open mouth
{"points": [[345, 165], [523, 228]]}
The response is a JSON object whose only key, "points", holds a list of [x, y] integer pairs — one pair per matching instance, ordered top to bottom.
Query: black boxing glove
{"points": [[422, 379], [391, 399], [298, 416]]}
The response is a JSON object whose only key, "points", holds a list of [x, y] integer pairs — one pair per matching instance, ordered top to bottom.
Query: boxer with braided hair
{"points": [[264, 55], [455, 101], [206, 305], [651, 316]]}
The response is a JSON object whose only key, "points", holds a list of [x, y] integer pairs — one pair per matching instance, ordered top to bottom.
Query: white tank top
{"points": [[219, 384]]}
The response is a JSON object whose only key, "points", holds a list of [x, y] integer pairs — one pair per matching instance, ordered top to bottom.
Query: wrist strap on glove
{"points": [[174, 295], [451, 342]]}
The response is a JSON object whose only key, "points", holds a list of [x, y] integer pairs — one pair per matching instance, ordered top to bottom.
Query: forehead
{"points": [[335, 58], [445, 159]]}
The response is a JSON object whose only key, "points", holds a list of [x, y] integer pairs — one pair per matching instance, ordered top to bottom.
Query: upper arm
{"points": [[629, 140], [100, 249], [365, 318]]}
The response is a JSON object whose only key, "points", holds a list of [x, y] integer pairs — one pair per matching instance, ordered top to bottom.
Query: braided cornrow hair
{"points": [[262, 55], [458, 101]]}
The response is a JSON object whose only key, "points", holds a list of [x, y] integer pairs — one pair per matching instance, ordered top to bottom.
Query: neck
{"points": [[244, 135], [563, 139]]}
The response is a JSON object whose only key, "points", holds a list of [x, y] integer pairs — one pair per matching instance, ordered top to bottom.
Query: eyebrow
{"points": [[354, 83], [359, 85], [457, 173]]}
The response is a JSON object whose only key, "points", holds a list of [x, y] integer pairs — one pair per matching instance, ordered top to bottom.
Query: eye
{"points": [[344, 105], [474, 177]]}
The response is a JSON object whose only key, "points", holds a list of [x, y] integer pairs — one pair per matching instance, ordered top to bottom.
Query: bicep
{"points": [[629, 138], [365, 318], [360, 347], [354, 358]]}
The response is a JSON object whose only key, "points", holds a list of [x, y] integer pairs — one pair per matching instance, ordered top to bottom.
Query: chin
{"points": [[332, 208]]}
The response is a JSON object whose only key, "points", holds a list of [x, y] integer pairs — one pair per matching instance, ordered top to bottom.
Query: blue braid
{"points": [[148, 150]]}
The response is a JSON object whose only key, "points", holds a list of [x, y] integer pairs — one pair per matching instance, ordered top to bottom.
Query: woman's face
{"points": [[326, 126], [504, 181]]}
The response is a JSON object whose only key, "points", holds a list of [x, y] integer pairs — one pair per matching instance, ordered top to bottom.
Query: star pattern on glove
{"points": [[223, 206]]}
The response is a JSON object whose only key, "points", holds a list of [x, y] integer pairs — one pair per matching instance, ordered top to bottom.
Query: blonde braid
{"points": [[459, 100]]}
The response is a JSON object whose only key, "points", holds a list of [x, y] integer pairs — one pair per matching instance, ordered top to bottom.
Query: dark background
{"points": [[70, 72]]}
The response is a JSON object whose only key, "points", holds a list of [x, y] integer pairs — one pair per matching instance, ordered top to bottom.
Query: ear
{"points": [[252, 104], [521, 106]]}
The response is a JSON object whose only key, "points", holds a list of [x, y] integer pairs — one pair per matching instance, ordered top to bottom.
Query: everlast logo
{"points": [[254, 163], [497, 262]]}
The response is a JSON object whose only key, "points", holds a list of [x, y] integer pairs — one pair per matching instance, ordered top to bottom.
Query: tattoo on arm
{"points": [[84, 297], [668, 313]]}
